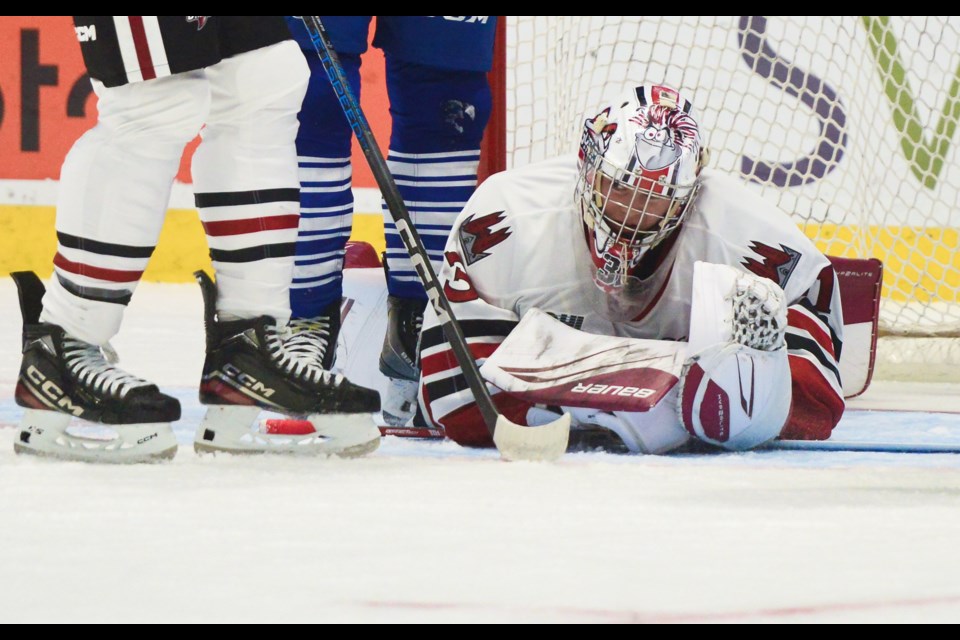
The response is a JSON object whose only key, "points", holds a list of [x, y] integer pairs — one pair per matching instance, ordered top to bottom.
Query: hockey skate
{"points": [[398, 359], [249, 369], [78, 405]]}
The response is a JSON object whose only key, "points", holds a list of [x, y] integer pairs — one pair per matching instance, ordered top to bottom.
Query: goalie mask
{"points": [[640, 162]]}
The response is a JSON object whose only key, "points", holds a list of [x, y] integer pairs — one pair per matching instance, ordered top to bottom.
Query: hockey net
{"points": [[847, 123]]}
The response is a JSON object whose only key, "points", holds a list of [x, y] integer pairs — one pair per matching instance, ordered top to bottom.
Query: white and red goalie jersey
{"points": [[519, 244]]}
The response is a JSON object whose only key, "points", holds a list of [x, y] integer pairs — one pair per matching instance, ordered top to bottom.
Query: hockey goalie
{"points": [[656, 302]]}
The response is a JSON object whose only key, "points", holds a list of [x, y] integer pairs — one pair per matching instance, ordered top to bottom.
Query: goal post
{"points": [[848, 123]]}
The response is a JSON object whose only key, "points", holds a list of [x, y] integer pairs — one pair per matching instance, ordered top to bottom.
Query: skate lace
{"points": [[418, 323], [411, 326], [417, 329], [309, 338], [295, 363], [94, 367]]}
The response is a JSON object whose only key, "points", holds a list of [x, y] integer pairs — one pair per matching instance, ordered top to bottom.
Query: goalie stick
{"points": [[515, 442]]}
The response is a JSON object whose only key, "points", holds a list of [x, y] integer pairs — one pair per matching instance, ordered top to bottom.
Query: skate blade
{"points": [[230, 429], [50, 434]]}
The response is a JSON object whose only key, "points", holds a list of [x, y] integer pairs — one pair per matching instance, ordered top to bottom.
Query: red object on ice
{"points": [[361, 255], [288, 427]]}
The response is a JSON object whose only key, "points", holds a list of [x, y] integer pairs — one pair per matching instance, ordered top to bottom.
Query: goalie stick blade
{"points": [[543, 443], [867, 447]]}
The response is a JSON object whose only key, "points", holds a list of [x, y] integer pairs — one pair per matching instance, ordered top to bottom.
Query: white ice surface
{"points": [[426, 531]]}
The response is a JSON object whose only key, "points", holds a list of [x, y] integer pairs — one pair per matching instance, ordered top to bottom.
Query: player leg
{"points": [[438, 120], [245, 176], [114, 188], [326, 214]]}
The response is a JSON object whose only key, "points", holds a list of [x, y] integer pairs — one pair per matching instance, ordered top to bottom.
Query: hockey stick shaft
{"points": [[405, 227]]}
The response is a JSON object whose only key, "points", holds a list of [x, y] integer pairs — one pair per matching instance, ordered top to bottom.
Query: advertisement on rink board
{"points": [[47, 102], [862, 182]]}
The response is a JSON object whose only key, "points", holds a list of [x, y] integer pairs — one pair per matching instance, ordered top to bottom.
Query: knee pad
{"points": [[280, 77], [260, 87], [435, 109], [165, 111], [248, 141], [734, 396]]}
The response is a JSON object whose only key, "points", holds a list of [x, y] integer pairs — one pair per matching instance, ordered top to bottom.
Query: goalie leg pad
{"points": [[734, 396]]}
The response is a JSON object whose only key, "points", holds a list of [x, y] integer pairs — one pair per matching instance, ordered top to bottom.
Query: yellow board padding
{"points": [[368, 227], [28, 242], [182, 249], [920, 264]]}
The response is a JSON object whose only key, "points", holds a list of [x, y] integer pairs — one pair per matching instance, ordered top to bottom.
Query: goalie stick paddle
{"points": [[515, 442]]}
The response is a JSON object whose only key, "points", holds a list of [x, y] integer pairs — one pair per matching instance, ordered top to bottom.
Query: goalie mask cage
{"points": [[849, 123]]}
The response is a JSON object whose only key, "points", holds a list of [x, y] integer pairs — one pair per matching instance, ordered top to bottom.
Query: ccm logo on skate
{"points": [[248, 381], [613, 390], [52, 392], [147, 438]]}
